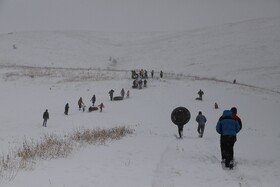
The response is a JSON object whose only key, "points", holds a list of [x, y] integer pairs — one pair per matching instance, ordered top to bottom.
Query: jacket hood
{"points": [[233, 110], [227, 113]]}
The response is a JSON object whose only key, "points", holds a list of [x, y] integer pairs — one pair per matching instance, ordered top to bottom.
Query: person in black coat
{"points": [[111, 93], [93, 99], [66, 109], [45, 117]]}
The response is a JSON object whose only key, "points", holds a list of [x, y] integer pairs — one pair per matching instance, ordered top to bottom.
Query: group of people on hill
{"points": [[143, 74], [140, 79], [122, 94], [81, 106], [228, 125]]}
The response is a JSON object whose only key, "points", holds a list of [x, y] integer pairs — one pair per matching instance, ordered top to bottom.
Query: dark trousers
{"points": [[45, 123], [200, 129], [180, 130], [227, 144]]}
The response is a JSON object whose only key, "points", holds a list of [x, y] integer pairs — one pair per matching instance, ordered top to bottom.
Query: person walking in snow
{"points": [[152, 73], [161, 74], [140, 82], [145, 83], [111, 93], [122, 93], [127, 94], [200, 94], [93, 99], [80, 103], [101, 106], [66, 109], [234, 115], [180, 116], [45, 117], [201, 120], [228, 128]]}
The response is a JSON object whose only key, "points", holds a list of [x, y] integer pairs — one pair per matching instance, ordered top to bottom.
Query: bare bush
{"points": [[93, 136], [52, 146]]}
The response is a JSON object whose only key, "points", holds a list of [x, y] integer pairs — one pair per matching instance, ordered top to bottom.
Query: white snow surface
{"points": [[45, 70]]}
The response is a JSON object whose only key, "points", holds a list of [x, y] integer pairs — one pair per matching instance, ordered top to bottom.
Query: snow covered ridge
{"points": [[247, 51]]}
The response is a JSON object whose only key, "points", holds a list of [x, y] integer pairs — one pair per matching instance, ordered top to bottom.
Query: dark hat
{"points": [[233, 110]]}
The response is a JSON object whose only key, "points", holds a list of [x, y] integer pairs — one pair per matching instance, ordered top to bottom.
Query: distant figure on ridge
{"points": [[66, 109]]}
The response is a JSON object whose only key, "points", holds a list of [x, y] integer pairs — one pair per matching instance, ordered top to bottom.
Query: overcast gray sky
{"points": [[129, 15]]}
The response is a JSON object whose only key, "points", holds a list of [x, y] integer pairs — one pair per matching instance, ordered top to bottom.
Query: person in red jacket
{"points": [[101, 106], [234, 115]]}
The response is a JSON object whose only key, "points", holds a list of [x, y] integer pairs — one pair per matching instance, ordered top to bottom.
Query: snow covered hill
{"points": [[241, 50], [45, 70]]}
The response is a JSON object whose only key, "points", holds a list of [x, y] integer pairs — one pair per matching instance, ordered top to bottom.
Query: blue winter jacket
{"points": [[227, 125]]}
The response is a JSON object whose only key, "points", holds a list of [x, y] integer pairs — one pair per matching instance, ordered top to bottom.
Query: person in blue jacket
{"points": [[228, 128]]}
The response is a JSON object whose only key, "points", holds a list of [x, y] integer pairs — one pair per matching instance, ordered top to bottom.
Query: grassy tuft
{"points": [[52, 146]]}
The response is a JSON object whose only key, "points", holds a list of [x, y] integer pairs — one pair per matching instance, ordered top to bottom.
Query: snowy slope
{"points": [[242, 50], [49, 69]]}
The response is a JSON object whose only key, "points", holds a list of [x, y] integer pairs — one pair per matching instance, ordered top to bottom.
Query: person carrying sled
{"points": [[111, 93], [93, 99], [80, 103], [101, 106], [66, 109], [180, 116], [45, 117], [201, 120], [228, 128]]}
